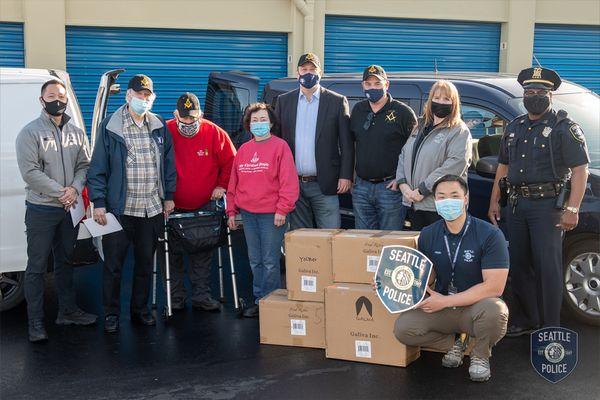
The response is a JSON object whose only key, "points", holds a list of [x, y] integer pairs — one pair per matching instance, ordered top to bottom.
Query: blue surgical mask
{"points": [[308, 80], [374, 95], [140, 106], [260, 129], [450, 209]]}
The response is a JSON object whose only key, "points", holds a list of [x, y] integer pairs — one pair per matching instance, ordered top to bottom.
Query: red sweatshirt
{"points": [[203, 162], [263, 178]]}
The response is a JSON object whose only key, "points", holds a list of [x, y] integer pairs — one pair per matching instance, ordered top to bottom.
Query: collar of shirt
{"points": [[316, 95], [547, 118], [129, 121], [462, 230]]}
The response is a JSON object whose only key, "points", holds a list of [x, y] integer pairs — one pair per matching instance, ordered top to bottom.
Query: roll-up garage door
{"points": [[11, 45]]}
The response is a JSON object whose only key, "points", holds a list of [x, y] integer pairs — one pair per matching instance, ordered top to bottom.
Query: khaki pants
{"points": [[485, 320]]}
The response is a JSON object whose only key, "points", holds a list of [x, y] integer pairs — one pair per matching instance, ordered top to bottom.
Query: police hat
{"points": [[309, 58], [374, 70], [539, 78], [140, 82], [188, 105]]}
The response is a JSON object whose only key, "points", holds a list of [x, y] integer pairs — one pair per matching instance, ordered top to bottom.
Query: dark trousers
{"points": [[419, 219], [49, 229], [143, 234], [535, 262], [199, 272]]}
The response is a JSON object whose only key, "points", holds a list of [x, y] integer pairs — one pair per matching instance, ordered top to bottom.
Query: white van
{"points": [[19, 104]]}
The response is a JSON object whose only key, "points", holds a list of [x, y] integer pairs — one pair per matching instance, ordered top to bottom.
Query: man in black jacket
{"points": [[315, 123]]}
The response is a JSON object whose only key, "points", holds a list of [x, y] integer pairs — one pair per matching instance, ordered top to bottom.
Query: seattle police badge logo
{"points": [[402, 275], [554, 352]]}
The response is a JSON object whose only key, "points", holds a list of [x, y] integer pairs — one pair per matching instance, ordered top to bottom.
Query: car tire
{"points": [[582, 281], [12, 289]]}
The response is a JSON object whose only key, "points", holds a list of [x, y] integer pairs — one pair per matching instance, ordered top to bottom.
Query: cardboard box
{"points": [[356, 252], [308, 263], [291, 323], [359, 328]]}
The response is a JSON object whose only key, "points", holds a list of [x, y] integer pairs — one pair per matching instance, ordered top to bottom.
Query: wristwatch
{"points": [[574, 210]]}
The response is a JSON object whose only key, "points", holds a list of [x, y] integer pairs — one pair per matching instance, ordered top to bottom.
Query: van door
{"points": [[106, 88], [227, 96]]}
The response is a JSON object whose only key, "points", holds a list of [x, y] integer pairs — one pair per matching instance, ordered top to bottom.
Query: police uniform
{"points": [[539, 155]]}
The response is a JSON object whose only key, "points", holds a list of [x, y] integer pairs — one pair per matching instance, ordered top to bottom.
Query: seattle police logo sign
{"points": [[402, 275], [554, 352]]}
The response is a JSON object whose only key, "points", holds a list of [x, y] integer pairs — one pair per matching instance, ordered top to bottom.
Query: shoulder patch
{"points": [[577, 133]]}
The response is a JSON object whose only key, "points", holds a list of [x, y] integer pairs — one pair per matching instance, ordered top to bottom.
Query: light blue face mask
{"points": [[140, 106], [260, 129], [450, 209]]}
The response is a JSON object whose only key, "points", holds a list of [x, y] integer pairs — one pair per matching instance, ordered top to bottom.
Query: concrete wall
{"points": [[303, 20]]}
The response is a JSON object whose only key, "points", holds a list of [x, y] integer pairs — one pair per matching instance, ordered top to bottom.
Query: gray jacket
{"points": [[446, 150], [50, 159]]}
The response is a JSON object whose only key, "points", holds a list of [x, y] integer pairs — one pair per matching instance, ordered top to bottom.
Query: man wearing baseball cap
{"points": [[315, 124], [380, 126], [203, 157], [132, 175]]}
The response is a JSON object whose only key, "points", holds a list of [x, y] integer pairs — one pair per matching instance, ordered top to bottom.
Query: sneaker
{"points": [[251, 312], [77, 317], [37, 331], [454, 357], [479, 370]]}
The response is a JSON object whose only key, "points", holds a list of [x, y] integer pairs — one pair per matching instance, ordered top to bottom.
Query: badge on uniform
{"points": [[546, 131], [577, 133], [402, 276], [554, 352]]}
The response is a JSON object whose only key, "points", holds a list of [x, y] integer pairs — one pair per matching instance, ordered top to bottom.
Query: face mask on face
{"points": [[308, 80], [374, 95], [536, 104], [140, 106], [55, 107], [441, 110], [260, 129], [188, 130], [449, 209]]}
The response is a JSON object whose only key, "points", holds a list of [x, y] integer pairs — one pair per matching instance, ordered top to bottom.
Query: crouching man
{"points": [[470, 259]]}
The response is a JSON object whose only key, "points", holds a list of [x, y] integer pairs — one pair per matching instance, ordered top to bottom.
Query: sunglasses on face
{"points": [[534, 92]]}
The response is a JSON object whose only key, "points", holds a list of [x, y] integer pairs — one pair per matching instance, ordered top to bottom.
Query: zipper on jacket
{"points": [[62, 156], [412, 176]]}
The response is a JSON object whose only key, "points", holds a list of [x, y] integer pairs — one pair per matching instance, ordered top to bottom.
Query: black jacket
{"points": [[334, 144]]}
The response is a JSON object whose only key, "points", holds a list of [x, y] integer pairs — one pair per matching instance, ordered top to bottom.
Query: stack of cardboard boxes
{"points": [[330, 301]]}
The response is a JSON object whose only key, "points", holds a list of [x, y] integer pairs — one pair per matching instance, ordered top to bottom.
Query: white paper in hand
{"points": [[77, 211], [112, 225]]}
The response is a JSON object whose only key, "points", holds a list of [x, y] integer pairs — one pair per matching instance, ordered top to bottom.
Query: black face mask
{"points": [[537, 104], [55, 107], [441, 110]]}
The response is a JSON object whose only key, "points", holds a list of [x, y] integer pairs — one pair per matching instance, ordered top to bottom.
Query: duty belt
{"points": [[537, 190]]}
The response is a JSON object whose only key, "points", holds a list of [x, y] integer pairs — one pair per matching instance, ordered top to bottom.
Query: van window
{"points": [[225, 105], [482, 122]]}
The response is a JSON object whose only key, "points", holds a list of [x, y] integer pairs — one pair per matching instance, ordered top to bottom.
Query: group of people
{"points": [[303, 154]]}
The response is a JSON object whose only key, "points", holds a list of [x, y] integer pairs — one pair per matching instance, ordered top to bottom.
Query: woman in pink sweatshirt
{"points": [[264, 189]]}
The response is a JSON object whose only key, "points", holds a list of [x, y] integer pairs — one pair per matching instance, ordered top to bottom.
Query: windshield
{"points": [[583, 108]]}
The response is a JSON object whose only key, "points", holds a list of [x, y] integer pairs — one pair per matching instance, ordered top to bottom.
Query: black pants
{"points": [[419, 219], [49, 230], [143, 234], [535, 263], [199, 272]]}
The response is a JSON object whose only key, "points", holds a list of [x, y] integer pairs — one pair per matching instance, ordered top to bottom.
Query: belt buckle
{"points": [[304, 179], [525, 191]]}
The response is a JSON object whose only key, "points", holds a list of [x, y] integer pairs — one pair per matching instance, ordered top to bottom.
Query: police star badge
{"points": [[537, 73], [546, 131], [577, 133], [401, 277]]}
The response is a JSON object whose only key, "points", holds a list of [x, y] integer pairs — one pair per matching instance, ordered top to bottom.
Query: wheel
{"points": [[582, 281], [12, 290], [242, 308]]}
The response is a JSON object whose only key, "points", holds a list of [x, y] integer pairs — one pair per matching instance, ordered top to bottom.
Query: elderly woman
{"points": [[439, 145], [264, 188]]}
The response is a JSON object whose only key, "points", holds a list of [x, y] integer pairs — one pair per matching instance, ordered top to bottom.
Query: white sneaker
{"points": [[454, 357], [479, 370]]}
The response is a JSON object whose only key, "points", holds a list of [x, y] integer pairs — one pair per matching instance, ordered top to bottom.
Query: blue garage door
{"points": [[351, 43], [11, 45], [573, 51], [176, 60]]}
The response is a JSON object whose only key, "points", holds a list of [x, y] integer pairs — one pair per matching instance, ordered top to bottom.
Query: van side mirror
{"points": [[487, 166]]}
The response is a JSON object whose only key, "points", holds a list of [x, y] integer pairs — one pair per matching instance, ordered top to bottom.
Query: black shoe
{"points": [[208, 304], [177, 305], [251, 312], [77, 317], [145, 319], [111, 323], [37, 331], [515, 331]]}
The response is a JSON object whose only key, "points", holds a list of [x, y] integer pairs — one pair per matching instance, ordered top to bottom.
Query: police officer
{"points": [[380, 126], [542, 153]]}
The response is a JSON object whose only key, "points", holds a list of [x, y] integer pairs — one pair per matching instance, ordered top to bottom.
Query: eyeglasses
{"points": [[533, 92], [368, 120]]}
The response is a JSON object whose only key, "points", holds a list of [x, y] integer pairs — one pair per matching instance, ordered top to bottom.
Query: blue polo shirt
{"points": [[483, 247]]}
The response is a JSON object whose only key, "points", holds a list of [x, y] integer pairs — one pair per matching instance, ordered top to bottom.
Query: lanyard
{"points": [[453, 259]]}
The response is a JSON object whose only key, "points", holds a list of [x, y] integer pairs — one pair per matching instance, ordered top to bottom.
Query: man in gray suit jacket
{"points": [[315, 122]]}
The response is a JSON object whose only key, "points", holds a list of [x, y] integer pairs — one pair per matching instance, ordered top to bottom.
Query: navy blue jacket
{"points": [[107, 177]]}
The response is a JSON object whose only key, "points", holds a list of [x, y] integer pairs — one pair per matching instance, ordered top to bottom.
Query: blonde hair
{"points": [[446, 88]]}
